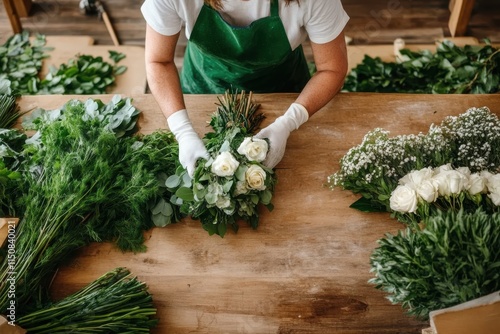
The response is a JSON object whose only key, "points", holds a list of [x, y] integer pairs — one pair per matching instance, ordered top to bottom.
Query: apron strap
{"points": [[274, 8]]}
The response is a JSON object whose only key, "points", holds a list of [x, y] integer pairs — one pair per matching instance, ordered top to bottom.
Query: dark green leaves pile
{"points": [[473, 69], [82, 75], [11, 145], [85, 178], [454, 259], [114, 303]]}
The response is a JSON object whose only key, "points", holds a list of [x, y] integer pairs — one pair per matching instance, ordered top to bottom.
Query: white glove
{"points": [[279, 130], [191, 147]]}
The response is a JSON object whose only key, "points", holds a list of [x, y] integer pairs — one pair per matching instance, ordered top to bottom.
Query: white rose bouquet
{"points": [[373, 168], [233, 182], [420, 193]]}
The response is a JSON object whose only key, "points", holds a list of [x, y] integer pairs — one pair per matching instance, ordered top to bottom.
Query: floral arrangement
{"points": [[374, 168], [232, 184], [445, 186]]}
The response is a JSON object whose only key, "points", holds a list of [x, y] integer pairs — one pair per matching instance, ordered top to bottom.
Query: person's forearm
{"points": [[163, 81], [320, 90]]}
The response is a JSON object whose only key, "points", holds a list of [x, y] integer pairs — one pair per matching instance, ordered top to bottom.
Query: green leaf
{"points": [[173, 181], [186, 194], [367, 205]]}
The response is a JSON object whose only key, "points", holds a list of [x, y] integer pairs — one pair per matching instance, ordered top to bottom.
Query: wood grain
{"points": [[305, 269]]}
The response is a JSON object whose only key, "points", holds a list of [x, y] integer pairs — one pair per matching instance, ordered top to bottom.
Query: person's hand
{"points": [[279, 130], [191, 147]]}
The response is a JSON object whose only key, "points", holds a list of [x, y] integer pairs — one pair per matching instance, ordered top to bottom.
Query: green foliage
{"points": [[21, 63], [473, 69], [82, 75], [236, 109], [9, 111], [11, 145], [84, 179], [453, 259], [114, 303]]}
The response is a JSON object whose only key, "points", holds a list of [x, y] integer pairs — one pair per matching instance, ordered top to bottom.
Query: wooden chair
{"points": [[460, 15]]}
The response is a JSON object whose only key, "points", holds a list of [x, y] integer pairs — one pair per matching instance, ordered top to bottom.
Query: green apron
{"points": [[255, 58]]}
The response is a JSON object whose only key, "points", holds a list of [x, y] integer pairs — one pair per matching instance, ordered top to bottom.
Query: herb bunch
{"points": [[473, 69], [9, 111], [11, 147], [85, 178], [231, 185], [453, 259], [114, 303]]}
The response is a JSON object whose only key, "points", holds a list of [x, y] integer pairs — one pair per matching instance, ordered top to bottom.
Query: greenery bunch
{"points": [[21, 63], [473, 69], [9, 111], [11, 145], [84, 178], [454, 258], [114, 303]]}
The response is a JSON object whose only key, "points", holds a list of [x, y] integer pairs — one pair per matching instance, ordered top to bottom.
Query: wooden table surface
{"points": [[305, 269]]}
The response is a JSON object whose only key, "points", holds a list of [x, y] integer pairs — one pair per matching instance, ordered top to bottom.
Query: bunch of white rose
{"points": [[248, 174], [427, 185]]}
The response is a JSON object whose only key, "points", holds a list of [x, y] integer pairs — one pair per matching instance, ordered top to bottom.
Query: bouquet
{"points": [[374, 168], [233, 182], [445, 185], [445, 188]]}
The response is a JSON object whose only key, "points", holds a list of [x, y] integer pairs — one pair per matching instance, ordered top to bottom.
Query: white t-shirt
{"points": [[321, 20]]}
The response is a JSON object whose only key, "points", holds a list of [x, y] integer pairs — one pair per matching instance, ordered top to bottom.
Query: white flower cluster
{"points": [[475, 133], [378, 155], [248, 176], [428, 184]]}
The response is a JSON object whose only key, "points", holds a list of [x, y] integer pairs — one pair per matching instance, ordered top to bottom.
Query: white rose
{"points": [[254, 149], [225, 164], [443, 168], [464, 170], [485, 174], [417, 176], [255, 177], [458, 181], [450, 182], [477, 184], [493, 185], [241, 188], [427, 190], [495, 198], [404, 199], [223, 202]]}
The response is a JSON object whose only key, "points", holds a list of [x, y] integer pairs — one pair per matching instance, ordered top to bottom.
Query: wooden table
{"points": [[305, 269]]}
